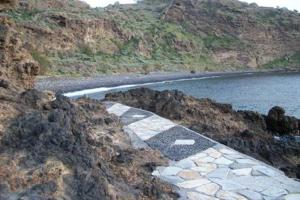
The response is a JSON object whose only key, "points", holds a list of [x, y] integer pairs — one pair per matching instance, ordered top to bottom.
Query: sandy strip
{"points": [[71, 84]]}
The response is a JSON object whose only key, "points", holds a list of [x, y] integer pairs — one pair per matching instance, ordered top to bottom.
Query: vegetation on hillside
{"points": [[148, 41], [287, 61]]}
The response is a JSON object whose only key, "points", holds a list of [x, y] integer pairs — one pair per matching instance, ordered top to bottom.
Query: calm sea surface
{"points": [[257, 92]]}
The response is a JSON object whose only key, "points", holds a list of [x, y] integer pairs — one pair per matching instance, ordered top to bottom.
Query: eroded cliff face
{"points": [[68, 31], [70, 34], [258, 36], [17, 67]]}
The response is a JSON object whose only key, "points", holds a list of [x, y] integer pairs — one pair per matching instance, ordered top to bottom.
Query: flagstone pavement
{"points": [[200, 168]]}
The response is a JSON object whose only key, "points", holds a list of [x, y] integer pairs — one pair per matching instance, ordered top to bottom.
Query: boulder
{"points": [[279, 123]]}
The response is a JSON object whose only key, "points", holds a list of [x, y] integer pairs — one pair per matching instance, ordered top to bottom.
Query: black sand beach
{"points": [[70, 84]]}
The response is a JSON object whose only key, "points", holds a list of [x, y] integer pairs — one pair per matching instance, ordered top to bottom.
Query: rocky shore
{"points": [[270, 138]]}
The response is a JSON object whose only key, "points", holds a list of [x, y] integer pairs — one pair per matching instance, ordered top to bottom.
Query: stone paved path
{"points": [[201, 168]]}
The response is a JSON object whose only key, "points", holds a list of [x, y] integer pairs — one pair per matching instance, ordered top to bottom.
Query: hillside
{"points": [[69, 38]]}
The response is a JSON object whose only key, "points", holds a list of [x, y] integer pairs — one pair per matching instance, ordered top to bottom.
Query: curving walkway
{"points": [[201, 168]]}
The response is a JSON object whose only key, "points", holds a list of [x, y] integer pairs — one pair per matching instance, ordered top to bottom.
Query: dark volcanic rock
{"points": [[4, 84], [34, 98], [254, 120], [279, 123], [246, 131], [65, 149]]}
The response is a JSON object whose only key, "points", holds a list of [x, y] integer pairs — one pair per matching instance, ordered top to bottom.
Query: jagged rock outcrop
{"points": [[211, 116], [279, 123], [246, 131], [66, 149]]}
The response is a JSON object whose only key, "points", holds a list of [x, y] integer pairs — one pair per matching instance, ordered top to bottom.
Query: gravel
{"points": [[70, 84]]}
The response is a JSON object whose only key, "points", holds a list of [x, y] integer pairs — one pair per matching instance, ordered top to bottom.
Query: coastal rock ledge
{"points": [[270, 138]]}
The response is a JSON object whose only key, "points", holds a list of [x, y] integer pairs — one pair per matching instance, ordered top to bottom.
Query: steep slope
{"points": [[52, 4], [238, 33], [69, 38], [17, 67]]}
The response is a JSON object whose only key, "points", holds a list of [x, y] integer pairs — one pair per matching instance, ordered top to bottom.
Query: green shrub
{"points": [[23, 14], [215, 42], [87, 50], [286, 61], [146, 69]]}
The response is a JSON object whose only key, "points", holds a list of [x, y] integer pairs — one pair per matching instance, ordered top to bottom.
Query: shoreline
{"points": [[73, 84]]}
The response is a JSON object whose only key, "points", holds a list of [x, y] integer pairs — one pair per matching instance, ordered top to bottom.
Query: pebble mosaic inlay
{"points": [[165, 142], [203, 169]]}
